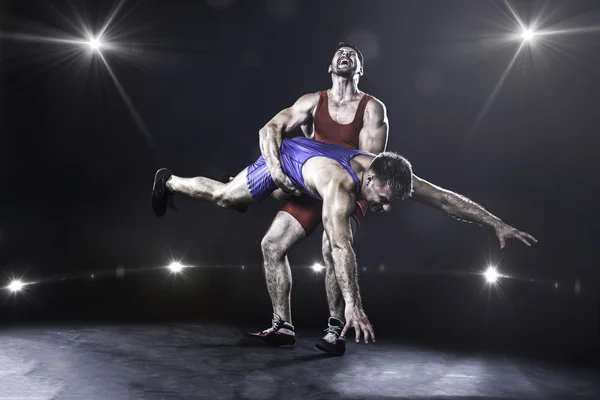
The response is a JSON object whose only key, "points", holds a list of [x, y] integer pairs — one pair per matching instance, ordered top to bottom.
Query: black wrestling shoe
{"points": [[226, 177], [161, 196], [281, 334], [333, 343]]}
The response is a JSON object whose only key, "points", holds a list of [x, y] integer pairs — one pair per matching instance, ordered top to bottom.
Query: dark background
{"points": [[76, 168]]}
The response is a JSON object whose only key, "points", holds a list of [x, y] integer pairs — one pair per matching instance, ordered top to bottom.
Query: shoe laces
{"points": [[171, 203], [275, 327], [333, 330]]}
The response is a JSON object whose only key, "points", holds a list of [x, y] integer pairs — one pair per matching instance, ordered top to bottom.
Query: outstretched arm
{"points": [[374, 133], [271, 137], [338, 206], [462, 208]]}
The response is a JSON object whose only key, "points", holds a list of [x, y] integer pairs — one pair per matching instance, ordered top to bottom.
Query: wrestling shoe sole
{"points": [[160, 195], [261, 340], [329, 349]]}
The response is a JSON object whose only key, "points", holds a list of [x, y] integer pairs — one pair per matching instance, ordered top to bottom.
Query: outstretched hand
{"points": [[504, 232], [357, 319]]}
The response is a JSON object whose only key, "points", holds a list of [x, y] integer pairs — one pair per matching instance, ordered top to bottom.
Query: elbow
{"points": [[268, 130], [263, 132], [339, 237]]}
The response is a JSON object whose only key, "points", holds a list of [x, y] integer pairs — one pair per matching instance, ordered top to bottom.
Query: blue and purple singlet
{"points": [[294, 153]]}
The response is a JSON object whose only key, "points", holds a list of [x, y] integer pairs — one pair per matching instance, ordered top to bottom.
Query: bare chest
{"points": [[342, 112]]}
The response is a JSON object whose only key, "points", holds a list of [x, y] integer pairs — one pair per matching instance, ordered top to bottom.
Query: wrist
{"points": [[274, 165], [496, 223], [353, 302]]}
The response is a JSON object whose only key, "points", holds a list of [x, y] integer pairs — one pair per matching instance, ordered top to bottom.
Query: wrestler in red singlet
{"points": [[304, 208]]}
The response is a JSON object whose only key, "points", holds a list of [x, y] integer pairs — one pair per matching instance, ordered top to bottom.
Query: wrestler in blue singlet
{"points": [[294, 153]]}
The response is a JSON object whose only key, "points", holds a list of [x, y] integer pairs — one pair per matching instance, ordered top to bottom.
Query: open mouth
{"points": [[343, 62]]}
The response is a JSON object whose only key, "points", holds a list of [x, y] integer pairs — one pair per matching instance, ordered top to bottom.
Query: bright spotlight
{"points": [[94, 43], [176, 267], [317, 267], [491, 275], [16, 286]]}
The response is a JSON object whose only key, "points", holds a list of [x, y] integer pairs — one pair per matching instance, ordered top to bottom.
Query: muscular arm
{"points": [[287, 120], [374, 133], [454, 204], [338, 206], [464, 209]]}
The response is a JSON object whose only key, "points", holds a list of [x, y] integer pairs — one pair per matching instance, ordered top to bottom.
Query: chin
{"points": [[346, 73]]}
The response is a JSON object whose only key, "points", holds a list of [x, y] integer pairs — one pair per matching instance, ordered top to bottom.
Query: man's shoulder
{"points": [[310, 96], [308, 100], [374, 104], [336, 176]]}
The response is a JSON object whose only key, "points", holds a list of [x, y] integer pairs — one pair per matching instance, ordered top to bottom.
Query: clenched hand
{"points": [[284, 182]]}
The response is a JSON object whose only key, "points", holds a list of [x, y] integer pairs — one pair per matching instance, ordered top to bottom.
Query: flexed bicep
{"points": [[373, 136]]}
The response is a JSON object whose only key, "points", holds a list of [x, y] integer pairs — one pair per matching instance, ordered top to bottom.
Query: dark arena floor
{"points": [[147, 337], [207, 362]]}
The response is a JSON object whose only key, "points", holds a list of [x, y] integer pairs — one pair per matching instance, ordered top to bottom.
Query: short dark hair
{"points": [[353, 47], [395, 171]]}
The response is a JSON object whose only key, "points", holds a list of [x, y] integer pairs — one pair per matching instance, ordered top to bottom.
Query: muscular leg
{"points": [[233, 194], [283, 234], [334, 293]]}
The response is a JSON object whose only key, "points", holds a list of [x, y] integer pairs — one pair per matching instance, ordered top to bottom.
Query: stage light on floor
{"points": [[176, 267], [317, 267], [491, 275], [15, 286]]}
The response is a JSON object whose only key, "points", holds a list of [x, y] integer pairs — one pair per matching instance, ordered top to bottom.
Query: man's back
{"points": [[310, 163]]}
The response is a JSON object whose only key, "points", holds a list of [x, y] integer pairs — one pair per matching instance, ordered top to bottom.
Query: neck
{"points": [[344, 88], [360, 164], [361, 176]]}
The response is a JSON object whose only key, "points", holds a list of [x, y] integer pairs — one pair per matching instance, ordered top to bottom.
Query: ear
{"points": [[329, 69], [360, 71], [369, 177]]}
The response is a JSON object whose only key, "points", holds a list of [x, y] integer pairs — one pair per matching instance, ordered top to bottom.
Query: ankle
{"points": [[170, 184]]}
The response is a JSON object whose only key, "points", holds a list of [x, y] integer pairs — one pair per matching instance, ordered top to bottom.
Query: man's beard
{"points": [[344, 73]]}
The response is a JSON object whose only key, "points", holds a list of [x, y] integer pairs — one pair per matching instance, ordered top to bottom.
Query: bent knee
{"points": [[223, 199], [326, 244], [272, 247]]}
